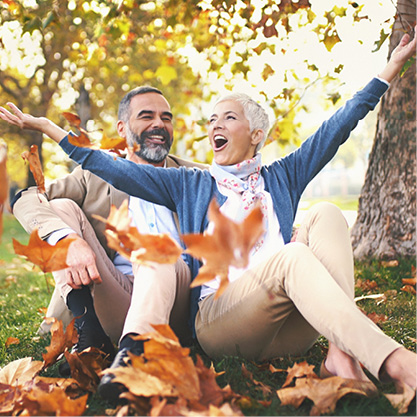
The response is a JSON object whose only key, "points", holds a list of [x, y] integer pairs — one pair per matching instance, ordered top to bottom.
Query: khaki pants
{"points": [[156, 294], [281, 306]]}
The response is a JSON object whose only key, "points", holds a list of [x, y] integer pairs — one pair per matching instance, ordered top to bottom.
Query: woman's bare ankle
{"points": [[400, 366]]}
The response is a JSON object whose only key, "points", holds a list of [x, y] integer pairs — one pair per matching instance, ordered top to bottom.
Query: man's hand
{"points": [[399, 56], [26, 121], [81, 260]]}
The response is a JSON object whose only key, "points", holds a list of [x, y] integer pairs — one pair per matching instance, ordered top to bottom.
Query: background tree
{"points": [[385, 226]]}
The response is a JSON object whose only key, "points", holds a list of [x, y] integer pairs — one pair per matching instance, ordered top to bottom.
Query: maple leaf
{"points": [[114, 144], [35, 166], [229, 244], [137, 247], [49, 258], [60, 340], [299, 370], [20, 371], [81, 372], [323, 392], [402, 399]]}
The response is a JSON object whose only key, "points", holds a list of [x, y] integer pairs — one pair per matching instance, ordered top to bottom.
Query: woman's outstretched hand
{"points": [[399, 56]]}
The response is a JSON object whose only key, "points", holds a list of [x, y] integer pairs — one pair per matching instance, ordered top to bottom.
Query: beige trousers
{"points": [[156, 294], [281, 306]]}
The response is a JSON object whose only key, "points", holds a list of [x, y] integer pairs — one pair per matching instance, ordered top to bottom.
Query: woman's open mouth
{"points": [[219, 142]]}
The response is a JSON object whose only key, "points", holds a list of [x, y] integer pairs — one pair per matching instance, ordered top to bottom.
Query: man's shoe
{"points": [[86, 339], [109, 390]]}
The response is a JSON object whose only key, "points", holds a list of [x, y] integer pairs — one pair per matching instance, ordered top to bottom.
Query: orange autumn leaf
{"points": [[72, 119], [82, 140], [115, 144], [35, 166], [4, 183], [228, 245], [137, 247], [48, 258], [409, 281], [409, 288], [377, 318], [60, 340], [11, 341], [263, 387]]}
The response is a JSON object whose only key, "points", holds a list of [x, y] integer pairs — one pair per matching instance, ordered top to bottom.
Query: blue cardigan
{"points": [[189, 191]]}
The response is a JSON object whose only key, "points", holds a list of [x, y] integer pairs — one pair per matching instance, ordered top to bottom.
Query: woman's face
{"points": [[230, 135]]}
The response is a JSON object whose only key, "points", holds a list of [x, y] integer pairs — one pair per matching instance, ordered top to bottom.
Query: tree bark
{"points": [[385, 227]]}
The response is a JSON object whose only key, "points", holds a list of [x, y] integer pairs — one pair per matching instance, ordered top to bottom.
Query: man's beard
{"points": [[150, 152]]}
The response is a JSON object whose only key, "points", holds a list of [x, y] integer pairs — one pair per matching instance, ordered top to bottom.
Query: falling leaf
{"points": [[73, 119], [80, 140], [114, 144], [35, 166], [133, 245], [229, 245], [49, 258], [60, 340], [12, 341], [20, 371], [402, 399]]}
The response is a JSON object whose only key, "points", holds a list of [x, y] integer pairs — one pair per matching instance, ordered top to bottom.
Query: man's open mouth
{"points": [[219, 142]]}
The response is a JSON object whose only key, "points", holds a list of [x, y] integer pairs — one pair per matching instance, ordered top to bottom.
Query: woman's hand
{"points": [[399, 56]]}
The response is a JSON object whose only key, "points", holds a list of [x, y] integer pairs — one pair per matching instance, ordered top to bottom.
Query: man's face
{"points": [[150, 126]]}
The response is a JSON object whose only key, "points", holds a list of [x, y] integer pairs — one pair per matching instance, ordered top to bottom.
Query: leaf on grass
{"points": [[35, 166], [4, 183], [229, 244], [137, 247], [49, 258], [389, 264], [366, 285], [409, 288], [377, 318], [60, 340], [11, 341], [299, 370], [20, 371], [84, 374], [263, 387], [323, 392], [402, 399]]}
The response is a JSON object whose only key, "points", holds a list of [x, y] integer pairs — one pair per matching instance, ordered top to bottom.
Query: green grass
{"points": [[23, 291]]}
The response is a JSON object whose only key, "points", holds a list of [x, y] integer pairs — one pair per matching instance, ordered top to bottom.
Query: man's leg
{"points": [[115, 289], [161, 294], [281, 306]]}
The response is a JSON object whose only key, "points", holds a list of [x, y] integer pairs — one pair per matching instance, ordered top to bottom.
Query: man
{"points": [[98, 284]]}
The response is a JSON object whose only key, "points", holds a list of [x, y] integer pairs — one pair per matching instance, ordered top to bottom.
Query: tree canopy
{"points": [[51, 52]]}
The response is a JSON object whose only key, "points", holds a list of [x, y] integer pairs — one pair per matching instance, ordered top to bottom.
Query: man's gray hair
{"points": [[124, 112], [254, 112]]}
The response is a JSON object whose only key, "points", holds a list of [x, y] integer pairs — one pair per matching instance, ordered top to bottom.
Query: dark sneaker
{"points": [[86, 339], [109, 390]]}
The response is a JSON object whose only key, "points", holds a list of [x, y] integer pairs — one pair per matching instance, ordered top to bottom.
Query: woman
{"points": [[292, 291]]}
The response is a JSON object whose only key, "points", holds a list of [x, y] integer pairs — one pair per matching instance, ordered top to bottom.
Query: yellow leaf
{"points": [[166, 74]]}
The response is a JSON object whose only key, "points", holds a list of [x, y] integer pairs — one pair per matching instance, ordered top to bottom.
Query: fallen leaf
{"points": [[35, 166], [4, 185], [229, 244], [137, 247], [49, 258], [389, 264], [409, 281], [366, 285], [409, 288], [377, 318], [60, 340], [12, 341], [299, 370], [20, 371], [263, 387], [323, 392], [402, 399]]}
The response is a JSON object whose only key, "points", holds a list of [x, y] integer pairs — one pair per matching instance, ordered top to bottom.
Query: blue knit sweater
{"points": [[189, 191]]}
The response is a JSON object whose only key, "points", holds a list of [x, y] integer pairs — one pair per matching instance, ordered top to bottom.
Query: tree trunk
{"points": [[385, 227]]}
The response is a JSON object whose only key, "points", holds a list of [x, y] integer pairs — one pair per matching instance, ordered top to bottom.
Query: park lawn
{"points": [[25, 291]]}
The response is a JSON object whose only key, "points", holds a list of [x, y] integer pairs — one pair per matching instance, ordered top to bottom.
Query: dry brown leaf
{"points": [[72, 119], [114, 144], [35, 166], [4, 184], [229, 245], [137, 247], [48, 258], [389, 264], [409, 281], [366, 285], [409, 288], [377, 318], [60, 340], [11, 341], [299, 370], [20, 371], [263, 387], [323, 392], [43, 399], [402, 399]]}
